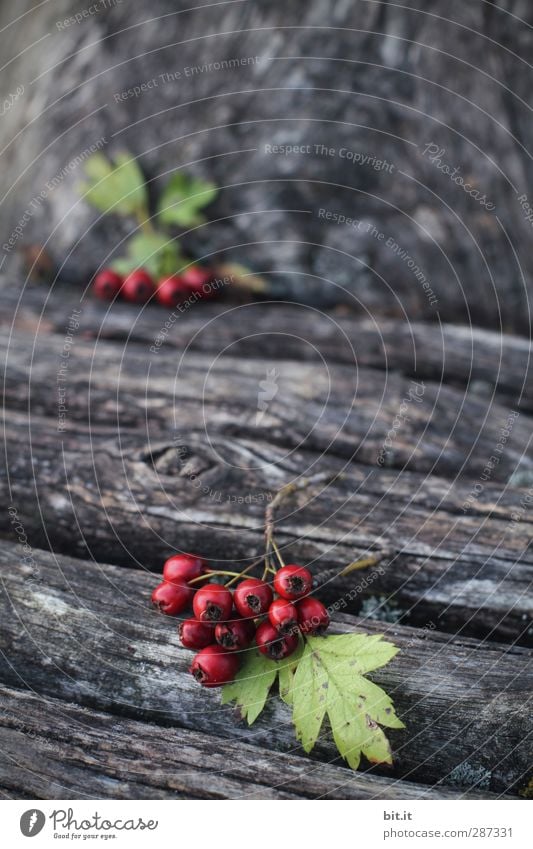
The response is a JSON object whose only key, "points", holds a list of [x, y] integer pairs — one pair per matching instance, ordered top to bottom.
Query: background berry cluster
{"points": [[139, 286]]}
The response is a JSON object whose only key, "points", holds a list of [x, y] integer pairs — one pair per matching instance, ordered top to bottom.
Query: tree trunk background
{"points": [[370, 77]]}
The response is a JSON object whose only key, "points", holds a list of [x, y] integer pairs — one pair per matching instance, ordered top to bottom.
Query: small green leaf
{"points": [[117, 187], [183, 198], [144, 246], [158, 254], [123, 266], [362, 652], [286, 670], [329, 680], [251, 686], [309, 695]]}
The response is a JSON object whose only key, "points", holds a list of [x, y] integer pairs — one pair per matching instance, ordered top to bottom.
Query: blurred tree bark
{"points": [[392, 107]]}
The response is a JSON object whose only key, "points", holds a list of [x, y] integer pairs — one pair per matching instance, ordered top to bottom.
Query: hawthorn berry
{"points": [[196, 279], [107, 284], [138, 287], [171, 291], [182, 568], [293, 581], [253, 597], [172, 598], [212, 603], [283, 615], [313, 617], [194, 634], [236, 634], [274, 645], [213, 666]]}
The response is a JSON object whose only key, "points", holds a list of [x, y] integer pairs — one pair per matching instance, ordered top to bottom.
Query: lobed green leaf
{"points": [[117, 187], [183, 198], [158, 254], [325, 677], [251, 685]]}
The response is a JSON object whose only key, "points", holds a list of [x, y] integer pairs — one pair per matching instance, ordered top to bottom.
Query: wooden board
{"points": [[58, 748]]}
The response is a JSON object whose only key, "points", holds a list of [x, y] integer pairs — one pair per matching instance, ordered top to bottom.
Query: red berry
{"points": [[197, 279], [107, 284], [138, 287], [171, 291], [182, 568], [293, 581], [253, 597], [172, 598], [213, 603], [283, 616], [313, 617], [194, 634], [235, 635], [274, 645], [214, 666]]}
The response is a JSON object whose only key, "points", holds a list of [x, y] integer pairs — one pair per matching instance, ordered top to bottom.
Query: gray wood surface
{"points": [[488, 364], [149, 432], [59, 748]]}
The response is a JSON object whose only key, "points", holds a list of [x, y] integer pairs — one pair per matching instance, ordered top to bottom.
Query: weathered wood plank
{"points": [[487, 362], [369, 416], [131, 501], [84, 632], [53, 749]]}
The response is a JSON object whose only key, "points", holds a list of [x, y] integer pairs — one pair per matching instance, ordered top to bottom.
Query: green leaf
{"points": [[117, 187], [183, 198], [155, 252], [362, 652], [286, 671], [325, 677], [329, 680], [251, 686], [309, 698]]}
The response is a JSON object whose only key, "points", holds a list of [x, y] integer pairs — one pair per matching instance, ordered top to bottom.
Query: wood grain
{"points": [[490, 364], [132, 501], [54, 749]]}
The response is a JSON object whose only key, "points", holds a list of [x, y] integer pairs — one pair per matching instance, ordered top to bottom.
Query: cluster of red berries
{"points": [[138, 287], [226, 623]]}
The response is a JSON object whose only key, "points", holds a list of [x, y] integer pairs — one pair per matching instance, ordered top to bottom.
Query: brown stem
{"points": [[281, 495], [213, 574]]}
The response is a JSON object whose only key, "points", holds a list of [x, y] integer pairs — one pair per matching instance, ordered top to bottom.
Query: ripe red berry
{"points": [[197, 279], [107, 284], [138, 287], [171, 291], [182, 568], [293, 581], [253, 597], [172, 598], [213, 603], [283, 616], [313, 617], [194, 634], [236, 634], [274, 645], [214, 666]]}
